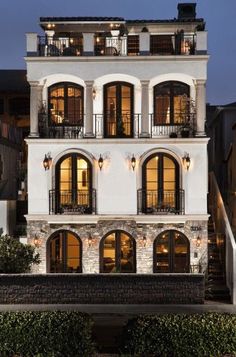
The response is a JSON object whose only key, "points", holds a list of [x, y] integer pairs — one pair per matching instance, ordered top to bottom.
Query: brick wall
{"points": [[102, 289]]}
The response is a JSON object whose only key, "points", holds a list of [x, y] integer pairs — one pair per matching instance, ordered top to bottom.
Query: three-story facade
{"points": [[117, 163]]}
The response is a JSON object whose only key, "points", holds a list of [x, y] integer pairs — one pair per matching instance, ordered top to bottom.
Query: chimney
{"points": [[186, 11]]}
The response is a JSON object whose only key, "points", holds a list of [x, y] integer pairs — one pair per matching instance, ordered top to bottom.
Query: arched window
{"points": [[65, 103], [171, 103], [118, 110], [160, 189], [73, 193], [117, 251], [64, 253], [171, 253]]}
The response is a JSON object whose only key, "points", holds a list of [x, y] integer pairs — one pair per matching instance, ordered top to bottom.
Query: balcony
{"points": [[107, 45], [125, 127], [160, 201], [72, 202]]}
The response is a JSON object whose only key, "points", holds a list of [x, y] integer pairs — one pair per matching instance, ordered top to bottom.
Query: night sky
{"points": [[21, 16]]}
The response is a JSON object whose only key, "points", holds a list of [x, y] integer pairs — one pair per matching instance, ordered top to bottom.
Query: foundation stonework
{"points": [[144, 252]]}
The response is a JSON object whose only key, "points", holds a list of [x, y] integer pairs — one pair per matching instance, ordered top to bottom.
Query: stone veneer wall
{"points": [[144, 254], [102, 289]]}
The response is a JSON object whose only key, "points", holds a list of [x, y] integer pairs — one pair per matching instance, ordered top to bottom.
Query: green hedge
{"points": [[45, 334], [209, 334]]}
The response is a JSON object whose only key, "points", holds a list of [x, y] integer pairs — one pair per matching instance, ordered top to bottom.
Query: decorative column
{"points": [[200, 86], [35, 101], [89, 109], [145, 132]]}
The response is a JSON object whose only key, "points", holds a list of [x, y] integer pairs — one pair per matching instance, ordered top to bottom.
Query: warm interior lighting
{"points": [[94, 93], [47, 161], [186, 161], [100, 162], [133, 162], [90, 240], [37, 241], [144, 241], [198, 242]]}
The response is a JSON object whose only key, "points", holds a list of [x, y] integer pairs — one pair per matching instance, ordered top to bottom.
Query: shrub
{"points": [[16, 257], [45, 334], [209, 334]]}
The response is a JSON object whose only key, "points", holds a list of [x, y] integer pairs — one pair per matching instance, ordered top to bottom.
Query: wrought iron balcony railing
{"points": [[108, 45], [124, 126], [72, 201], [160, 201]]}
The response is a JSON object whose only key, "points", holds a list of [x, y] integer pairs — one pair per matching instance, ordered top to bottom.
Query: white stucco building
{"points": [[118, 111]]}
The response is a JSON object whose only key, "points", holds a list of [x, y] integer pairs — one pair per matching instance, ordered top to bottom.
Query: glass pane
{"points": [[56, 105], [111, 109], [162, 112], [152, 164], [65, 181], [180, 253], [73, 254], [109, 254], [127, 254], [162, 254], [56, 262]]}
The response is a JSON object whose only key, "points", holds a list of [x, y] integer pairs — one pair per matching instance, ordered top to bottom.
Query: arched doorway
{"points": [[118, 110], [160, 185], [73, 193], [64, 250], [117, 253], [171, 253]]}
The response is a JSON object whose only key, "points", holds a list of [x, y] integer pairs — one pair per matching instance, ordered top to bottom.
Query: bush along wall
{"points": [[45, 334], [210, 334]]}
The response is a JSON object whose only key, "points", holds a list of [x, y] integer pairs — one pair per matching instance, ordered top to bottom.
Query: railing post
{"points": [[88, 39], [144, 43], [201, 43], [31, 44], [200, 85], [35, 100], [89, 109], [145, 109]]}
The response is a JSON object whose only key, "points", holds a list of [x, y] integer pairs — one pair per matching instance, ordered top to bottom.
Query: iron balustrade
{"points": [[177, 44], [107, 45], [61, 46], [126, 126], [72, 201], [160, 201]]}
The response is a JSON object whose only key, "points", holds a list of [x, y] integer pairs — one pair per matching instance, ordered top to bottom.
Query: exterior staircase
{"points": [[216, 288]]}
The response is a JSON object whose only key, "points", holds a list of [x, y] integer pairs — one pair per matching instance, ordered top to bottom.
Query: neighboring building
{"points": [[110, 99], [220, 120], [14, 126], [231, 169]]}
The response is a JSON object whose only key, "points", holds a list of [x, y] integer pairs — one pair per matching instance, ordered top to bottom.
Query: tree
{"points": [[15, 257]]}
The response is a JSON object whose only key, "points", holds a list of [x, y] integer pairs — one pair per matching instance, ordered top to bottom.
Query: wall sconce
{"points": [[94, 93], [47, 161], [186, 161], [100, 162], [133, 162], [37, 241], [90, 241], [144, 241], [198, 242]]}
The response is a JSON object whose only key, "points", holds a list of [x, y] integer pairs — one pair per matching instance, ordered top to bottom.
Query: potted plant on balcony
{"points": [[185, 130]]}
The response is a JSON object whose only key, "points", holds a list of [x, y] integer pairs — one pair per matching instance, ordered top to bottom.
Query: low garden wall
{"points": [[102, 289]]}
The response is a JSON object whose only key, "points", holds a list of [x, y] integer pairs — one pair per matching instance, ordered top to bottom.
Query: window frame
{"points": [[118, 85], [65, 86], [171, 99], [74, 156], [117, 233], [64, 250], [171, 252]]}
